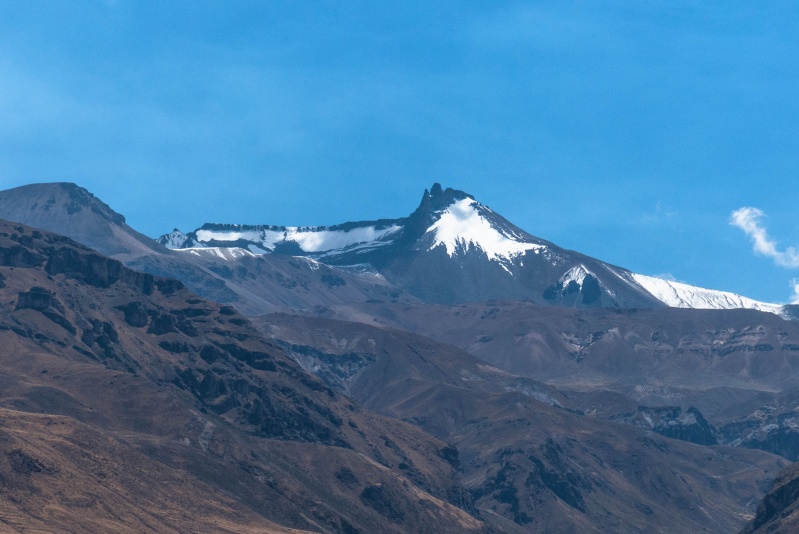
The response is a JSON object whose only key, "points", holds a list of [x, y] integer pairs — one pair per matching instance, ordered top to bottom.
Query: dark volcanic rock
{"points": [[19, 256], [92, 269], [39, 299], [45, 302], [135, 314], [672, 422], [776, 433], [25, 464], [381, 500], [778, 512]]}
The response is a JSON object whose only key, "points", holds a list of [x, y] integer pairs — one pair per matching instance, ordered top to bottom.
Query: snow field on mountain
{"points": [[461, 227], [266, 237], [174, 239], [309, 239], [318, 241], [224, 253], [575, 274], [679, 295]]}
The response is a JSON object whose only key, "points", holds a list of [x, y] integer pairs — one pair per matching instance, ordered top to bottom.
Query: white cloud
{"points": [[748, 220], [795, 286]]}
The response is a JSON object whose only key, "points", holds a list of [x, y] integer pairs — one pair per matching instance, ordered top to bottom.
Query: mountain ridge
{"points": [[452, 221], [450, 249]]}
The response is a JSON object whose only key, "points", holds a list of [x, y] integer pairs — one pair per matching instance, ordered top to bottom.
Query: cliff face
{"points": [[778, 512]]}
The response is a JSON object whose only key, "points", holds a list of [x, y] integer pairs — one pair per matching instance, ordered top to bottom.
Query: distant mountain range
{"points": [[451, 249], [455, 249]]}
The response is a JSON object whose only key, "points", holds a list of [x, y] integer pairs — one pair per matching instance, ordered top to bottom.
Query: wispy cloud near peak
{"points": [[749, 220], [795, 286]]}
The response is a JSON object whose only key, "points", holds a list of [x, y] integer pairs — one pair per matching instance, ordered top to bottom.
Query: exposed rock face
{"points": [[39, 299], [44, 301], [672, 422], [773, 428], [778, 512]]}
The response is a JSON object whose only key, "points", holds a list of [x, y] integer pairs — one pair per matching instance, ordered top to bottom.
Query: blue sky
{"points": [[630, 131]]}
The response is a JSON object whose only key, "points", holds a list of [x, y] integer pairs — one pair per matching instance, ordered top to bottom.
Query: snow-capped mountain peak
{"points": [[453, 219], [465, 225], [174, 239], [453, 248]]}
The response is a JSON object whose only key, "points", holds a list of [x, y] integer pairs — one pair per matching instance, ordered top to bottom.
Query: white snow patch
{"points": [[461, 227], [209, 235], [269, 238], [309, 239], [174, 240], [322, 240], [256, 250], [224, 253], [313, 264], [362, 269], [575, 274], [679, 295]]}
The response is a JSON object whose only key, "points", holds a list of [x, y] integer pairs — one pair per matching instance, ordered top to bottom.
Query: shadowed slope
{"points": [[778, 512]]}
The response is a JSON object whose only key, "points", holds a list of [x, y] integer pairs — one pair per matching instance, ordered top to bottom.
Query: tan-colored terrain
{"points": [[130, 403]]}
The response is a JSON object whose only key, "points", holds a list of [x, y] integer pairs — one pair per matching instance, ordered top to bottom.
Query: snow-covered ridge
{"points": [[462, 226], [174, 239], [309, 239], [317, 241], [679, 295]]}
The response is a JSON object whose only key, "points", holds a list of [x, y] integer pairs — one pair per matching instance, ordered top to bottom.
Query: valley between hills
{"points": [[442, 372]]}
